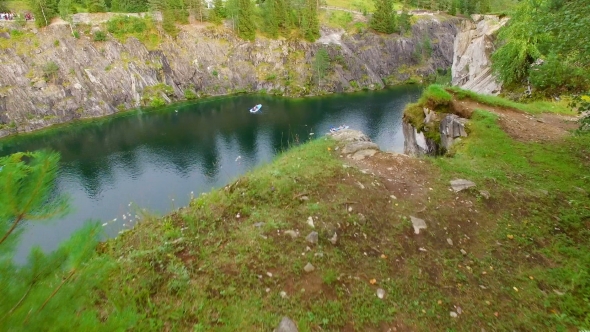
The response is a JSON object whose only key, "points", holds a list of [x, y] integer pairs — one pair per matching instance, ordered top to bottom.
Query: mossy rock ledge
{"points": [[433, 124]]}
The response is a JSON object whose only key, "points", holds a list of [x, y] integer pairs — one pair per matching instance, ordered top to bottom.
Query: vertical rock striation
{"points": [[474, 44]]}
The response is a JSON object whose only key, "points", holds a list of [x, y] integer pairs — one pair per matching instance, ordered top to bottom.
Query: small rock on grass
{"points": [[461, 184], [485, 194], [310, 222], [418, 224], [293, 234], [312, 237], [334, 238], [449, 241], [463, 252], [308, 268], [380, 293], [454, 314], [286, 325]]}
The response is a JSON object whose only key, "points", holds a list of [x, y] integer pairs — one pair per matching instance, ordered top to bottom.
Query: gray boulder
{"points": [[349, 135], [358, 146], [461, 184], [286, 325]]}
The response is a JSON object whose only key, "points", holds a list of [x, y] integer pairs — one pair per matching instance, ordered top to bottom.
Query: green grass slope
{"points": [[519, 260]]}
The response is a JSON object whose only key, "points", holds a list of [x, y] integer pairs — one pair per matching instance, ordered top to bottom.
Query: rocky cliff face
{"points": [[473, 47], [49, 77]]}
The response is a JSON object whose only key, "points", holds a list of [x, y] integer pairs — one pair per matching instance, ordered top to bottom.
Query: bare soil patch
{"points": [[522, 126], [403, 176]]}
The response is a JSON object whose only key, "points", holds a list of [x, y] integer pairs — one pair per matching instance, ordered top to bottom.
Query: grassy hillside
{"points": [[235, 258]]}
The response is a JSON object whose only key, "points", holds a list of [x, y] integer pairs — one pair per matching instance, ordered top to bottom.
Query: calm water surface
{"points": [[154, 160]]}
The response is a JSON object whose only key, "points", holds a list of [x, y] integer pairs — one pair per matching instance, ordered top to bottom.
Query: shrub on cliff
{"points": [[121, 25], [100, 36], [50, 71]]}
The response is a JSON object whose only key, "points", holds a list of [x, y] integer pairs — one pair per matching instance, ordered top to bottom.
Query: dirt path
{"points": [[525, 127]]}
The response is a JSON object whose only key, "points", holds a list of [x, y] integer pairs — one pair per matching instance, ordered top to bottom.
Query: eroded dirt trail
{"points": [[522, 126]]}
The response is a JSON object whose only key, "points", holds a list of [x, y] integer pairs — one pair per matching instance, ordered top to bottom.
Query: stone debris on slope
{"points": [[461, 184], [418, 224], [312, 238], [308, 268], [286, 325]]}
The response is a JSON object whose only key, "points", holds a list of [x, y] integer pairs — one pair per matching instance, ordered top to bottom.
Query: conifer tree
{"points": [[454, 5], [96, 6], [129, 6], [485, 6], [196, 8], [43, 11], [65, 11], [218, 13], [282, 14], [383, 19], [271, 21], [405, 23], [246, 24], [310, 24], [321, 64], [25, 183], [51, 291]]}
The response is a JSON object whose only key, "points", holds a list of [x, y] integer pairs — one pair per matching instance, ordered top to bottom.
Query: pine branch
{"points": [[12, 228], [56, 290], [20, 301]]}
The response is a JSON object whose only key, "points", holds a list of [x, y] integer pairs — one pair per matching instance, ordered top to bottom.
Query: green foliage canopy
{"points": [[551, 30]]}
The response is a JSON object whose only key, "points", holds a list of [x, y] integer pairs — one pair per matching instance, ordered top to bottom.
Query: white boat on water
{"points": [[256, 108]]}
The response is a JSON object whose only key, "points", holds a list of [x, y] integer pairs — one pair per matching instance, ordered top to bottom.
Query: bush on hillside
{"points": [[122, 25], [100, 36], [50, 71], [555, 76]]}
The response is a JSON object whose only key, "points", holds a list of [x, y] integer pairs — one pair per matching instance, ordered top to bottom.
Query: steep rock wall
{"points": [[473, 47], [94, 79]]}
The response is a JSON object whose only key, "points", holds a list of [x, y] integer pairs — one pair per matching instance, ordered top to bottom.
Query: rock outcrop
{"points": [[473, 47], [50, 77], [452, 128], [416, 143], [355, 144]]}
